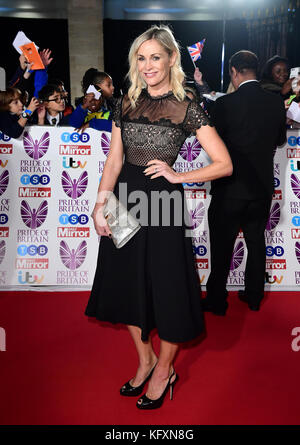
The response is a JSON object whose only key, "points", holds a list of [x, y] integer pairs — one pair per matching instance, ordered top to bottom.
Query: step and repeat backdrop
{"points": [[48, 186]]}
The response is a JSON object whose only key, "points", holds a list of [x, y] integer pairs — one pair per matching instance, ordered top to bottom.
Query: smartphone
{"points": [[295, 72]]}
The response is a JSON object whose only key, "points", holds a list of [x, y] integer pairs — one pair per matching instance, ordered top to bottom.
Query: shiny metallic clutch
{"points": [[123, 226]]}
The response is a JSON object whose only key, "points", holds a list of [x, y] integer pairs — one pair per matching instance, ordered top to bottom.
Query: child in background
{"points": [[102, 80], [31, 81], [61, 86], [52, 108], [92, 112], [13, 116]]}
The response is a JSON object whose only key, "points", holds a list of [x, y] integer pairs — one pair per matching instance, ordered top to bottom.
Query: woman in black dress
{"points": [[151, 282]]}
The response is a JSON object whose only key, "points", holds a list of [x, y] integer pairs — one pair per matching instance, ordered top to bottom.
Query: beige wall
{"points": [[85, 22]]}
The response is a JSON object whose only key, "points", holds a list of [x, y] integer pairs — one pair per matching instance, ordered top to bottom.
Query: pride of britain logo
{"points": [[105, 143], [34, 148], [190, 150], [4, 180], [295, 184], [74, 188], [197, 216], [274, 217], [33, 218], [2, 250], [297, 251], [237, 256], [72, 258]]}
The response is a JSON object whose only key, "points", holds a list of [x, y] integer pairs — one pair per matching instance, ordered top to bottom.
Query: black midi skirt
{"points": [[151, 282]]}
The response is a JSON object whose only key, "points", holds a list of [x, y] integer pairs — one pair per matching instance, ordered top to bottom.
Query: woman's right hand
{"points": [[34, 104], [100, 223]]}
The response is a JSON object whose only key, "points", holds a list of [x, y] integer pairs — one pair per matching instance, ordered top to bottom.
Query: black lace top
{"points": [[157, 127]]}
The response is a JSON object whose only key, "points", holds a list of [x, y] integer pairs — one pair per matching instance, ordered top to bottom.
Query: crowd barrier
{"points": [[48, 185]]}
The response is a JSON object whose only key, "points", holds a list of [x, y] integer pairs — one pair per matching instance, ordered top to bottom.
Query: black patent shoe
{"points": [[132, 391], [145, 403]]}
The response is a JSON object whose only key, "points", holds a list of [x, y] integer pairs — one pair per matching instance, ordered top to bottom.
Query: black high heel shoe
{"points": [[131, 391], [145, 403]]}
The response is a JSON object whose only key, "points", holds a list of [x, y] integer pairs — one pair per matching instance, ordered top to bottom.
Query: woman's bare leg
{"points": [[147, 356], [163, 370]]}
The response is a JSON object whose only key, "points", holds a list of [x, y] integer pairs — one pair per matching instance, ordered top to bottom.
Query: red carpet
{"points": [[60, 368]]}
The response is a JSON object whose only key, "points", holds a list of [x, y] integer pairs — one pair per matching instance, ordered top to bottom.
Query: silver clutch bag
{"points": [[123, 226]]}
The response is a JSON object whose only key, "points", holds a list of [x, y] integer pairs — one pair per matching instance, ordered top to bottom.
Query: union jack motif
{"points": [[196, 50], [105, 143], [34, 148], [190, 150], [34, 218], [297, 251], [237, 256], [72, 258]]}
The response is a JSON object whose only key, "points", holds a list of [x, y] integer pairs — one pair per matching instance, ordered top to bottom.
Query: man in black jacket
{"points": [[251, 122]]}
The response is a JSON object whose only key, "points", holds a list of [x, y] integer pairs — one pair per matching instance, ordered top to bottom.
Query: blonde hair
{"points": [[163, 35]]}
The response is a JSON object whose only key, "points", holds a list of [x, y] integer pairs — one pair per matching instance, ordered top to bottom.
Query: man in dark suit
{"points": [[251, 122]]}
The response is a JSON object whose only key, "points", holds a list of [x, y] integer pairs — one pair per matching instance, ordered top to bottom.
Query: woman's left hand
{"points": [[287, 86], [158, 168]]}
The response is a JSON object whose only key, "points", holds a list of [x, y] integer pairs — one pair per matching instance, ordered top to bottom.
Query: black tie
{"points": [[54, 121]]}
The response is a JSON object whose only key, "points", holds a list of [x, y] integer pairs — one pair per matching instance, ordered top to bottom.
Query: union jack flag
{"points": [[196, 50]]}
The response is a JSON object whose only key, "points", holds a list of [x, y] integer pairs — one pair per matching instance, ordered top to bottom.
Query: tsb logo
{"points": [[3, 137], [75, 137], [293, 141], [35, 179], [193, 184], [3, 218], [73, 219], [295, 221], [32, 250], [200, 250], [277, 251]]}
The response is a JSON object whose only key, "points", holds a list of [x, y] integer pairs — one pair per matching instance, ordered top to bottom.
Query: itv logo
{"points": [[72, 163], [294, 165], [27, 278], [273, 279]]}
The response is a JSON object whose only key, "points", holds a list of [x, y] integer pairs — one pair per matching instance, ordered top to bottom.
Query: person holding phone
{"points": [[92, 113], [13, 115]]}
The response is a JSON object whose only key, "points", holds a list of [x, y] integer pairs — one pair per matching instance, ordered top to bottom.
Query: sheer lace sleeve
{"points": [[117, 112], [195, 118]]}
